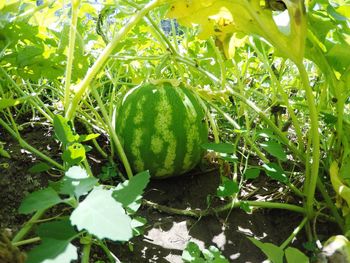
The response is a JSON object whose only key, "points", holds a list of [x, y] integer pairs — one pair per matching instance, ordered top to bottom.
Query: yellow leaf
{"points": [[344, 10], [221, 18]]}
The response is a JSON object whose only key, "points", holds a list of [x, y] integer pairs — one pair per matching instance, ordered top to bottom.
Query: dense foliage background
{"points": [[274, 77]]}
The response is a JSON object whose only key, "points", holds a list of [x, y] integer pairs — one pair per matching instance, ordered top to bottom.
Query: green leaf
{"points": [[344, 10], [29, 55], [5, 103], [328, 118], [63, 131], [266, 133], [88, 137], [219, 147], [275, 149], [4, 153], [74, 154], [228, 157], [39, 167], [344, 169], [108, 171], [275, 171], [76, 173], [252, 173], [76, 187], [227, 188], [130, 191], [39, 200], [245, 207], [101, 215], [137, 224], [59, 230], [53, 251], [191, 252], [273, 252], [213, 254], [295, 255]]}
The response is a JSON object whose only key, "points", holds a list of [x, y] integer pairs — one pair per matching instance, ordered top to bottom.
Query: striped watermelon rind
{"points": [[162, 128]]}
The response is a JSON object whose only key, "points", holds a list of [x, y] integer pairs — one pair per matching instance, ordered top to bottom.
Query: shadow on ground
{"points": [[167, 235]]}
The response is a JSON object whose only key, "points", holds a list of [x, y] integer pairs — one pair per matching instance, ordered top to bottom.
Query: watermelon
{"points": [[162, 127]]}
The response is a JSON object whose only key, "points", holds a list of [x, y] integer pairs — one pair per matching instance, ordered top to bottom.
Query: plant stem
{"points": [[31, 11], [70, 54], [101, 60], [221, 63], [283, 94], [37, 103], [270, 123], [236, 126], [113, 134], [315, 138], [94, 141], [30, 148], [330, 204], [228, 206], [27, 227], [295, 232], [26, 242], [86, 250], [110, 255]]}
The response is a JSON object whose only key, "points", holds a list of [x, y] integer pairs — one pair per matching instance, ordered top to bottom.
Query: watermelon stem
{"points": [[70, 55], [104, 56], [113, 134], [234, 204]]}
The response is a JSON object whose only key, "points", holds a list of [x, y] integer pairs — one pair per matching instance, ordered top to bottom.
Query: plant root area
{"points": [[166, 234]]}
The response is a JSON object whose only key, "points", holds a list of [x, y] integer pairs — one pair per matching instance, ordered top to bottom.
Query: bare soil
{"points": [[166, 234]]}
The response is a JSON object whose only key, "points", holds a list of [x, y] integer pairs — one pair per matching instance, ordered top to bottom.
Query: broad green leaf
{"points": [[29, 55], [338, 56], [5, 103], [63, 131], [88, 137], [219, 147], [275, 149], [74, 154], [228, 157], [39, 167], [275, 171], [76, 173], [251, 173], [68, 186], [227, 188], [130, 191], [39, 200], [101, 215], [59, 230], [53, 251], [273, 252], [295, 255]]}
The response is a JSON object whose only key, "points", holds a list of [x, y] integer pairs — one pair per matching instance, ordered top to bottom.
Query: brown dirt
{"points": [[166, 235]]}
